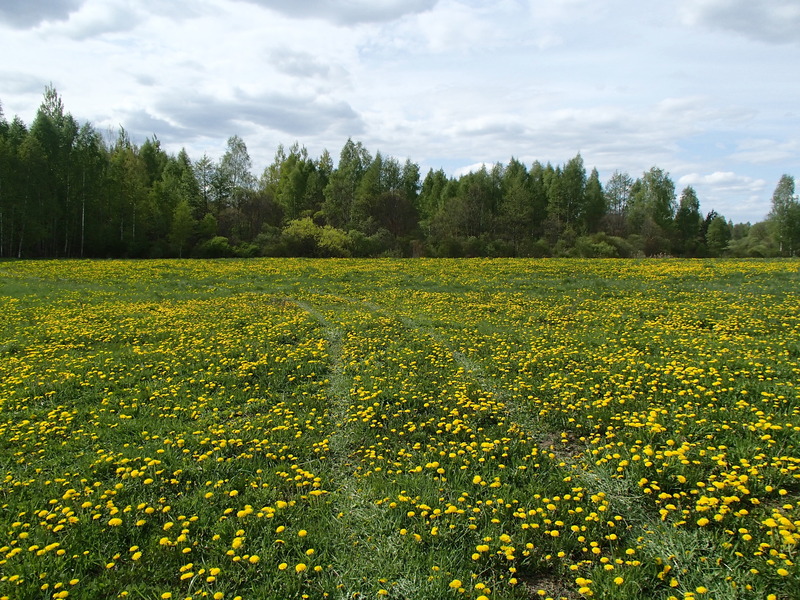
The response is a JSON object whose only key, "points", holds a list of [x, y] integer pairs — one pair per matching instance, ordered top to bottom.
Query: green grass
{"points": [[404, 429]]}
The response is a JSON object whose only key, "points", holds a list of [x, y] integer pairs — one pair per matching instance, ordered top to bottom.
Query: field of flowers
{"points": [[468, 429]]}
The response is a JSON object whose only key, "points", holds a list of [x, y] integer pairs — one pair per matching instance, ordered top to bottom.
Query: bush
{"points": [[303, 237], [216, 247], [587, 247], [246, 250]]}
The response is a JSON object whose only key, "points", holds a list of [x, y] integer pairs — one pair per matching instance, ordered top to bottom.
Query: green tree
{"points": [[56, 131], [154, 159], [7, 160], [91, 165], [204, 170], [14, 175], [233, 176], [537, 176], [318, 180], [293, 182], [410, 182], [573, 184], [342, 185], [190, 189], [431, 194], [618, 194], [656, 195], [385, 197], [365, 203], [594, 204], [127, 207], [651, 210], [470, 213], [784, 216], [515, 217], [555, 223], [687, 223], [182, 227], [718, 235]]}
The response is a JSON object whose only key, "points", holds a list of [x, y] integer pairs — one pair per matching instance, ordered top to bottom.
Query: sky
{"points": [[707, 90]]}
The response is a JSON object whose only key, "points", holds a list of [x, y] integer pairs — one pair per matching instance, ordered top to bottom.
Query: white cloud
{"points": [[348, 12], [29, 13], [95, 18], [770, 21], [302, 64], [445, 83], [766, 150], [467, 169], [724, 180], [736, 197]]}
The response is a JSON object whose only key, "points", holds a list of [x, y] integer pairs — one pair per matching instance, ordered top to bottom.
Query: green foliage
{"points": [[66, 192], [785, 216], [687, 223], [183, 226], [718, 235], [303, 237], [216, 247]]}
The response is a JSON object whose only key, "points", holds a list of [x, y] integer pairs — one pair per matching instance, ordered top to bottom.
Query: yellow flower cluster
{"points": [[426, 429]]}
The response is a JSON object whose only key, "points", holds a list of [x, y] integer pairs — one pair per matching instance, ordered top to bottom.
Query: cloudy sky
{"points": [[708, 90]]}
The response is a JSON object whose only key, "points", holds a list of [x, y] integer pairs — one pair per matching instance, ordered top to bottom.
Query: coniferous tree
{"points": [[90, 175], [204, 175], [573, 185], [64, 192], [431, 194], [594, 204], [515, 217], [687, 223], [181, 228], [718, 234]]}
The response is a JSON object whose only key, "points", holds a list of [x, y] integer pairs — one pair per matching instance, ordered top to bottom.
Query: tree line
{"points": [[67, 192]]}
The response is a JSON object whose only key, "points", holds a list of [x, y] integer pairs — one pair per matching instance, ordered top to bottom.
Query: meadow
{"points": [[421, 429]]}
